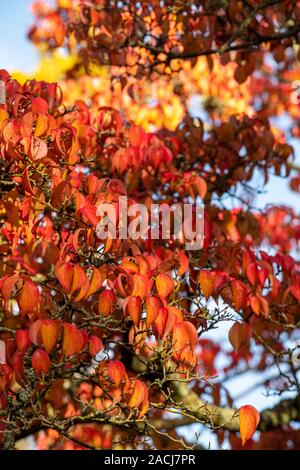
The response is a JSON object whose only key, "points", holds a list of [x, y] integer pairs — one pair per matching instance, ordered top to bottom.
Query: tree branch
{"points": [[228, 418]]}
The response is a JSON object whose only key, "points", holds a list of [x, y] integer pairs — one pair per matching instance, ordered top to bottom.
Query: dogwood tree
{"points": [[108, 342]]}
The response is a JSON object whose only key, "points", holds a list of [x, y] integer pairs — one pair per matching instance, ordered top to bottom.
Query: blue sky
{"points": [[17, 53]]}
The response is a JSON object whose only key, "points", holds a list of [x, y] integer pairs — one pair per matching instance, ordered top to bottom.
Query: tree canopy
{"points": [[109, 343]]}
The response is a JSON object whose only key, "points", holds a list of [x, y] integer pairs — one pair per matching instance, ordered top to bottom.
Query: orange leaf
{"points": [[59, 34], [41, 125], [136, 135], [38, 149], [26, 182], [93, 184], [201, 186], [184, 263], [130, 265], [64, 274], [79, 278], [97, 280], [207, 282], [8, 284], [164, 284], [124, 285], [141, 285], [83, 292], [29, 297], [106, 303], [255, 304], [264, 306], [134, 308], [152, 308], [176, 312], [163, 323], [49, 334], [137, 336], [72, 340], [184, 341], [116, 371], [138, 395], [144, 407], [70, 411], [249, 420]]}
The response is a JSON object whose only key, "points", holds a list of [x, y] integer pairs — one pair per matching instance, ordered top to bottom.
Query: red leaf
{"points": [[39, 105], [25, 207], [89, 214], [252, 273], [262, 276], [221, 279], [295, 291], [239, 294], [35, 333], [239, 335], [84, 338], [23, 339], [95, 345], [40, 362], [18, 366], [6, 375]]}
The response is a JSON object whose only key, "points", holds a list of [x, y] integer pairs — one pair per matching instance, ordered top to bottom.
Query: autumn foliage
{"points": [[110, 343]]}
